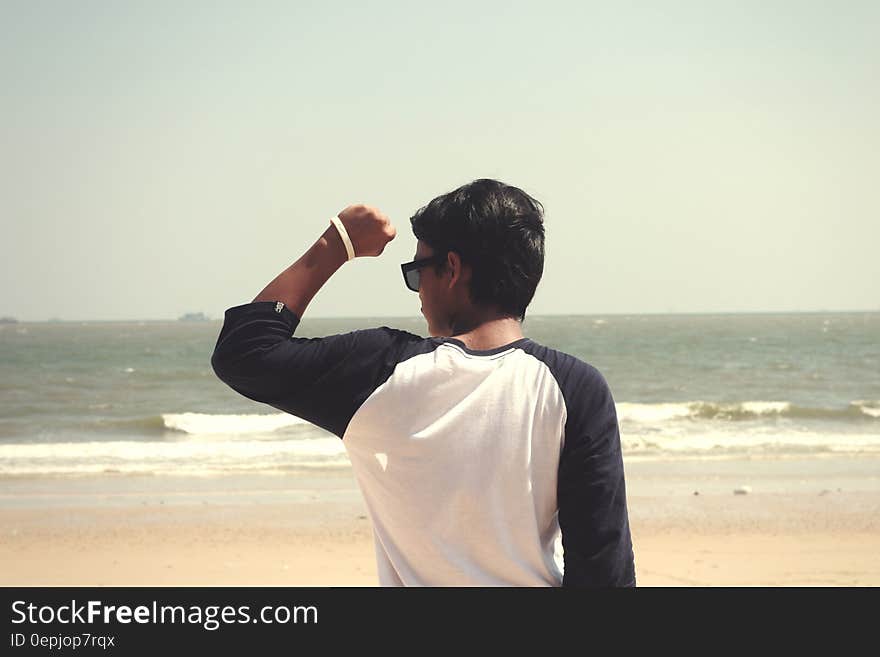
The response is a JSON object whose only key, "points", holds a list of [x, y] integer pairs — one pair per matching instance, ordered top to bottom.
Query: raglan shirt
{"points": [[478, 468]]}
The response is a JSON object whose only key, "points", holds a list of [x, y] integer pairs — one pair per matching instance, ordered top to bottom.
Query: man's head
{"points": [[489, 239]]}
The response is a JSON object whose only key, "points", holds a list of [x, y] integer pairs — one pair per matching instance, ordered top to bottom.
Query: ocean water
{"points": [[141, 397]]}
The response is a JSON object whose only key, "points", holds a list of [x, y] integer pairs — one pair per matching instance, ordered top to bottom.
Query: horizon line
{"points": [[57, 320]]}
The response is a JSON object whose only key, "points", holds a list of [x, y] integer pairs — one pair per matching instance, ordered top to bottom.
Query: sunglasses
{"points": [[412, 270]]}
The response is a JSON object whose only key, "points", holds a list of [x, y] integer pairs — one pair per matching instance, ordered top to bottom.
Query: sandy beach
{"points": [[812, 521]]}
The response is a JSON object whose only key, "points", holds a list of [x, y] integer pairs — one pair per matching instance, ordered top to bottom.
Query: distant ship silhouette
{"points": [[193, 317]]}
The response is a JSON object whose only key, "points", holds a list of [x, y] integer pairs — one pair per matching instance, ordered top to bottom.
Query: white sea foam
{"points": [[764, 407], [871, 408], [650, 413], [207, 424], [751, 427], [705, 442], [152, 450], [169, 457]]}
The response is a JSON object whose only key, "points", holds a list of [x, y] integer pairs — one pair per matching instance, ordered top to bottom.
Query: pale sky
{"points": [[158, 158]]}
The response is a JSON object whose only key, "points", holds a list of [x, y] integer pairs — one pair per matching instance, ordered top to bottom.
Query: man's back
{"points": [[470, 462]]}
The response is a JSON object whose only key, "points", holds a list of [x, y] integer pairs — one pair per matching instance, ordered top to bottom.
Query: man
{"points": [[476, 449]]}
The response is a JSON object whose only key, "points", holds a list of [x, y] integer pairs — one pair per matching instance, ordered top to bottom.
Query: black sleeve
{"points": [[322, 380], [591, 494]]}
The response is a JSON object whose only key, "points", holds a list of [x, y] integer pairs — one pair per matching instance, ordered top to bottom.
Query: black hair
{"points": [[498, 230]]}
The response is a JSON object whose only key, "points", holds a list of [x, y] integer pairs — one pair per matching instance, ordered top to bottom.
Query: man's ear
{"points": [[460, 272]]}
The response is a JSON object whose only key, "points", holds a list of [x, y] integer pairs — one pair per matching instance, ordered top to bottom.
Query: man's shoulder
{"points": [[389, 333], [397, 344], [565, 367], [588, 398]]}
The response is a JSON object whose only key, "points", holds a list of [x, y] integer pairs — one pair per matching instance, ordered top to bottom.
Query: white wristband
{"points": [[349, 249]]}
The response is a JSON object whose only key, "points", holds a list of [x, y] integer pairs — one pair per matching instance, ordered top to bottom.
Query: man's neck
{"points": [[487, 331]]}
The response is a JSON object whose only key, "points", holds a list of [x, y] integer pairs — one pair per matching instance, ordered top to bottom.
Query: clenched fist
{"points": [[368, 228]]}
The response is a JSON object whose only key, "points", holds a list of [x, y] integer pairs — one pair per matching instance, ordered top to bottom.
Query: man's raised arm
{"points": [[318, 379]]}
